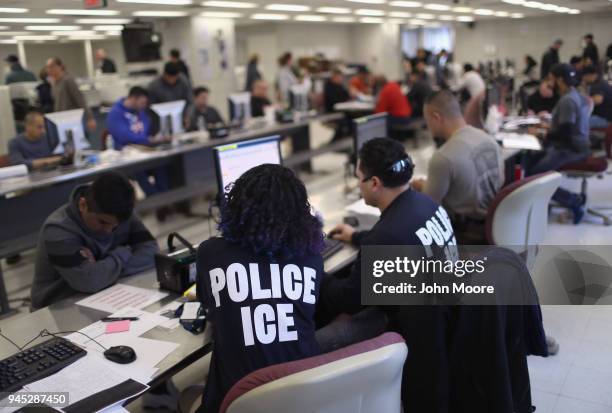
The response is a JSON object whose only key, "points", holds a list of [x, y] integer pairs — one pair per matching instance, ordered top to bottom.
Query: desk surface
{"points": [[42, 179]]}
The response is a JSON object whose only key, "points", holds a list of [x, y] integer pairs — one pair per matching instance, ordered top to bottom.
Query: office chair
{"points": [[362, 378]]}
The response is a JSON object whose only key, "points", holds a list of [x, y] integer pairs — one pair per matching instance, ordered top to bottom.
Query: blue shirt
{"points": [[127, 126], [24, 151]]}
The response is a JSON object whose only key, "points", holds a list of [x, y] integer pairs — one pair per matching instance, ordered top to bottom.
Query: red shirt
{"points": [[358, 83], [393, 101]]}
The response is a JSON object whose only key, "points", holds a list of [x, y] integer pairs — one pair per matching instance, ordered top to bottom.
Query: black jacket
{"points": [[592, 53], [549, 59], [108, 66], [334, 93]]}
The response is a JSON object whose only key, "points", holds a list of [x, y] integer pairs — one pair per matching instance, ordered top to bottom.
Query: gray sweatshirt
{"points": [[62, 271]]}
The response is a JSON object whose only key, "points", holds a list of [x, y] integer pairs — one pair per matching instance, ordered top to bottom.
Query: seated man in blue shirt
{"points": [[129, 124], [32, 147]]}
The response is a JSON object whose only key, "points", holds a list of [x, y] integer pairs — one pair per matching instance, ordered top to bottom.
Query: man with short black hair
{"points": [[590, 52], [175, 57], [550, 58], [17, 73], [170, 86], [601, 93], [200, 114], [128, 122], [567, 139], [32, 147], [384, 170], [466, 172], [92, 241]]}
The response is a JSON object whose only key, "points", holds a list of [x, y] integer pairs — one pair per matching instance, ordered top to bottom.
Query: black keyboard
{"points": [[331, 247], [37, 363]]}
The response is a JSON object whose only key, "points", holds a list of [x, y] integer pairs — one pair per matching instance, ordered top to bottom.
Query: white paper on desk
{"points": [[519, 141], [13, 171], [360, 208], [120, 296], [146, 321], [170, 323], [85, 377], [118, 408]]}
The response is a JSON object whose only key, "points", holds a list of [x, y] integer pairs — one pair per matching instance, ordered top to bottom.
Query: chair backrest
{"points": [[4, 161], [518, 215], [362, 378]]}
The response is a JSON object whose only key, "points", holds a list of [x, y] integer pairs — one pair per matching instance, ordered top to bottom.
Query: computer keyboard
{"points": [[331, 247], [37, 362]]}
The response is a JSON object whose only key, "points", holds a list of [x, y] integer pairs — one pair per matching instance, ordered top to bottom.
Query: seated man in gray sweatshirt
{"points": [[92, 241]]}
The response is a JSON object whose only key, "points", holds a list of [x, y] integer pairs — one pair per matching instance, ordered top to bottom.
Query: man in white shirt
{"points": [[471, 81]]}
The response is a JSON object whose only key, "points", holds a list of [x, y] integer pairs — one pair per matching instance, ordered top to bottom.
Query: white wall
{"points": [[515, 38], [72, 54]]}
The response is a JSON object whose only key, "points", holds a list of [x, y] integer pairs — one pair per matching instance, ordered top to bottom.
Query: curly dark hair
{"points": [[267, 211]]}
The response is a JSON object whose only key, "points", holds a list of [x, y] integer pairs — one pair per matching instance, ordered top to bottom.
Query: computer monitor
{"points": [[298, 98], [239, 107], [170, 117], [369, 127], [65, 131], [232, 160]]}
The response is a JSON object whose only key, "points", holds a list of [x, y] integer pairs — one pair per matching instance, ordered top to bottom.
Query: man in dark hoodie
{"points": [[92, 241]]}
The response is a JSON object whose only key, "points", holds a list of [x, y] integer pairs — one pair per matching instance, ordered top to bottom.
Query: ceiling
{"points": [[342, 11]]}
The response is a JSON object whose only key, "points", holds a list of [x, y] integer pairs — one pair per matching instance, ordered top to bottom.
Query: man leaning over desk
{"points": [[32, 147], [92, 241]]}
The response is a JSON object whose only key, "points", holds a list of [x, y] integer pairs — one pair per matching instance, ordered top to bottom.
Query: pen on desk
{"points": [[111, 319]]}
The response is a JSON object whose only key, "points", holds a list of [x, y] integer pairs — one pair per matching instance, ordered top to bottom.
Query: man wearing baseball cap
{"points": [[16, 72], [567, 138]]}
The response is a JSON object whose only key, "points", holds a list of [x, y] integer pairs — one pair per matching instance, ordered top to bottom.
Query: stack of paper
{"points": [[519, 141], [120, 296]]}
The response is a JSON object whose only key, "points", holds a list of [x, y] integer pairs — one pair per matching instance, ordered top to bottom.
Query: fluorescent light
{"points": [[369, 1], [168, 2], [515, 2], [230, 4], [405, 4], [533, 4], [435, 6], [287, 7], [549, 7], [461, 9], [564, 9], [13, 10], [334, 10], [574, 11], [82, 12], [369, 12], [483, 12], [160, 13], [221, 14], [400, 14], [501, 14], [517, 15], [269, 16], [425, 16], [446, 17], [310, 18], [343, 19], [466, 19], [29, 20], [371, 20], [103, 21], [417, 22], [3, 27], [108, 27], [49, 28], [19, 33], [74, 33], [113, 33], [88, 37], [33, 38], [8, 41]]}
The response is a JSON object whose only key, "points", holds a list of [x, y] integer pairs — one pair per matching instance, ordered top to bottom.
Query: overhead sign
{"points": [[95, 4]]}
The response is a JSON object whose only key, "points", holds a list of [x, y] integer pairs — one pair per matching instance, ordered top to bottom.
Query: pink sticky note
{"points": [[117, 326]]}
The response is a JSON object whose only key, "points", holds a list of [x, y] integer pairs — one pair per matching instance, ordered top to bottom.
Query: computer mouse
{"points": [[120, 354]]}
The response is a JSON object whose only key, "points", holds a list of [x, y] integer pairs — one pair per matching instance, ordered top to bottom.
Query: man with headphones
{"points": [[408, 217]]}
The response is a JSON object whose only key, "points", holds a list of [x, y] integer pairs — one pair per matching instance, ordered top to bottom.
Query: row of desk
{"points": [[26, 203]]}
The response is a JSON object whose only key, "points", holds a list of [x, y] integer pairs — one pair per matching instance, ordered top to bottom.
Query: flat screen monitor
{"points": [[141, 43], [298, 96], [239, 107], [170, 117], [369, 127], [65, 131], [232, 160]]}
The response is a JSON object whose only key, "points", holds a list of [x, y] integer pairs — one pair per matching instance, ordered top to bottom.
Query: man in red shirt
{"points": [[361, 83], [394, 102]]}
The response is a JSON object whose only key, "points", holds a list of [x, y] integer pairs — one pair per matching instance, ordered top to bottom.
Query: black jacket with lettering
{"points": [[412, 219], [241, 347]]}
